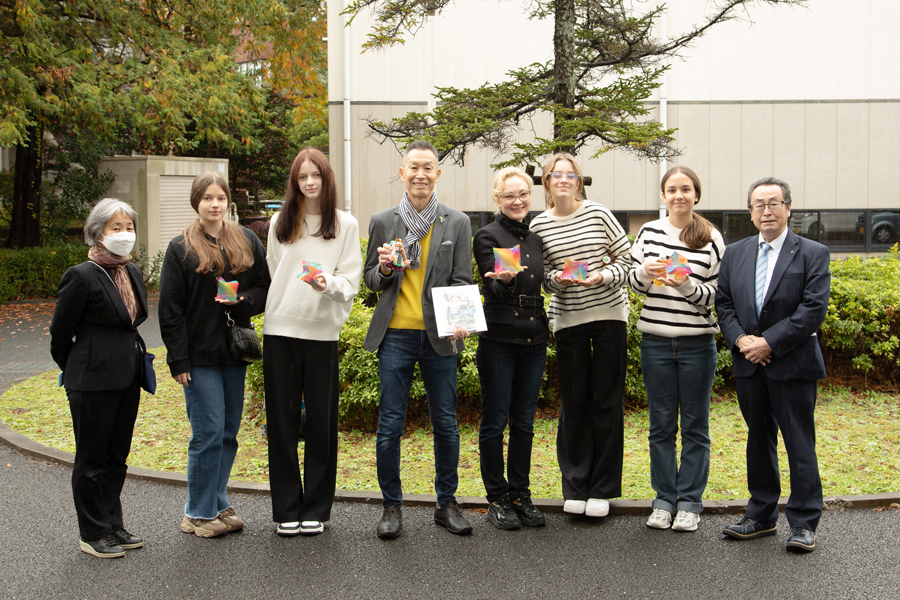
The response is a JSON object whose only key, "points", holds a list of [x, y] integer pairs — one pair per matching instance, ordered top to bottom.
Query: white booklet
{"points": [[458, 305]]}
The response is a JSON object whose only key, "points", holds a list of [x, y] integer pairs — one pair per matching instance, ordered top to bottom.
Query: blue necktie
{"points": [[762, 266]]}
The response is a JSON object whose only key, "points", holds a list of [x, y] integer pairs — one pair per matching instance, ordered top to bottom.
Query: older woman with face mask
{"points": [[95, 341]]}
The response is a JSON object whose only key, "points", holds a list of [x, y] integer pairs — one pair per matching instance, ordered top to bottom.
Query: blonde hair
{"points": [[548, 168], [500, 181], [234, 243]]}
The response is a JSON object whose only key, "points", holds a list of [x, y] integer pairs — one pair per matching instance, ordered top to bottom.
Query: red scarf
{"points": [[104, 258]]}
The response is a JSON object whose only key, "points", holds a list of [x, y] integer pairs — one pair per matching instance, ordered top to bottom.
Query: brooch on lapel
{"points": [[441, 218]]}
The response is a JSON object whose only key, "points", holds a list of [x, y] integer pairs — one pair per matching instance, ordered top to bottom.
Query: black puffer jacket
{"points": [[515, 313], [192, 324]]}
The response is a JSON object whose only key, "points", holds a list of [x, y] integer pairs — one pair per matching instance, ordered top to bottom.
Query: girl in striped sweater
{"points": [[589, 320], [678, 348]]}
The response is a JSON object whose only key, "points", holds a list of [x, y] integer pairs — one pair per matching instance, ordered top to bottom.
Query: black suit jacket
{"points": [[793, 309], [92, 338]]}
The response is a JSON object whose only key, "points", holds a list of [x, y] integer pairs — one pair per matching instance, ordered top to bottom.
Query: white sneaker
{"points": [[574, 507], [596, 507], [660, 519], [686, 521], [311, 528], [288, 529]]}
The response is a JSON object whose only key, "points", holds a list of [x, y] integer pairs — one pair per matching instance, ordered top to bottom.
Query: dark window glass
{"points": [[713, 216], [622, 217], [806, 224], [737, 226], [839, 228], [885, 228]]}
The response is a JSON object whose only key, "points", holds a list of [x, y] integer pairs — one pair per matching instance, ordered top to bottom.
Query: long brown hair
{"points": [[548, 168], [289, 226], [699, 233], [233, 242]]}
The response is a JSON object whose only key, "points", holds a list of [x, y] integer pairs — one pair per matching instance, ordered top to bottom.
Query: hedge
{"points": [[861, 331]]}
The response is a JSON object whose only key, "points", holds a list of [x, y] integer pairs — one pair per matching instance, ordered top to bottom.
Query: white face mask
{"points": [[119, 243]]}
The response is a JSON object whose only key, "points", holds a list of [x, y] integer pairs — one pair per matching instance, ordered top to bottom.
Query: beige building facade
{"points": [[809, 95]]}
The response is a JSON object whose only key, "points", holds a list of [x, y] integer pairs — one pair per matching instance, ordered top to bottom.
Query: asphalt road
{"points": [[616, 557]]}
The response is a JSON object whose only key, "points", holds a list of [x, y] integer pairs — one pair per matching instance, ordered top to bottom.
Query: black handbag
{"points": [[243, 343], [148, 379]]}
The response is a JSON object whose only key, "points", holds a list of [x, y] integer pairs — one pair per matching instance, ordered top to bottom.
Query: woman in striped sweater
{"points": [[589, 319], [678, 348]]}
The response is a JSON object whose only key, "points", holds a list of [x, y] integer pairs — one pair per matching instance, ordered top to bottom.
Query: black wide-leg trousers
{"points": [[299, 370], [103, 424]]}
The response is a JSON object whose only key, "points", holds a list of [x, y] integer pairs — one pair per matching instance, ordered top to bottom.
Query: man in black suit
{"points": [[772, 297]]}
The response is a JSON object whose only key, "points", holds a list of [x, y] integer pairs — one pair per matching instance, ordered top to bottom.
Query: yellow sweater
{"points": [[408, 311]]}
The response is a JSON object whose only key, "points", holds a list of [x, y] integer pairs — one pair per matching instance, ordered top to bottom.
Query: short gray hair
{"points": [[785, 188], [102, 212]]}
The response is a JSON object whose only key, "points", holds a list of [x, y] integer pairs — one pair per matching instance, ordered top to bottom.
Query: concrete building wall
{"points": [[812, 96]]}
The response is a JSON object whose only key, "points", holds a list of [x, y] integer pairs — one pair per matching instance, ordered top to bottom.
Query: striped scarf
{"points": [[418, 224]]}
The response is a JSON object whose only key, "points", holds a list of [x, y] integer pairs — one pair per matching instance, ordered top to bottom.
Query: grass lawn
{"points": [[857, 434]]}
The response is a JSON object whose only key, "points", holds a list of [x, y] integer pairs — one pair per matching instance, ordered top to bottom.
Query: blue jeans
{"points": [[398, 354], [678, 374], [510, 376], [215, 401]]}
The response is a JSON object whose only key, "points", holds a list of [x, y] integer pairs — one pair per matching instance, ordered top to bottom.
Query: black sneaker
{"points": [[502, 515], [528, 515], [126, 540], [107, 547]]}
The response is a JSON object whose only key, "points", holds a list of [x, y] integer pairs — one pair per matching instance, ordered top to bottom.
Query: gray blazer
{"points": [[449, 263]]}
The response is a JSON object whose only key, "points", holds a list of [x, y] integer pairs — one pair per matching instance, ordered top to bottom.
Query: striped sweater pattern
{"points": [[588, 234], [676, 311]]}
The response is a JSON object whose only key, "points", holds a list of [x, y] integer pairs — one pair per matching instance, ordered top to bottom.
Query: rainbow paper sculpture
{"points": [[508, 259], [398, 264], [677, 266], [573, 269], [310, 270], [227, 290]]}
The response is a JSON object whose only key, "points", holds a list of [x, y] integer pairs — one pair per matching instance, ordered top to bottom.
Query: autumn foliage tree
{"points": [[606, 60], [161, 68]]}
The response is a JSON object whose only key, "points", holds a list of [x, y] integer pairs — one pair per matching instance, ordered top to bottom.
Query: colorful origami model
{"points": [[508, 259], [397, 261], [677, 266], [573, 269], [310, 270], [227, 290]]}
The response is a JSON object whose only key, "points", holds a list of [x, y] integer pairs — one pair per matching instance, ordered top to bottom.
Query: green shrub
{"points": [[35, 272], [862, 327]]}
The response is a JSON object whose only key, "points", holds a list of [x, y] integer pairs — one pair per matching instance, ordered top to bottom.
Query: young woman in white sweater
{"points": [[589, 320], [300, 344], [678, 348]]}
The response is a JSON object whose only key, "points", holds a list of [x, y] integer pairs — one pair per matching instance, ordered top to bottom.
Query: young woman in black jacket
{"points": [[193, 324], [511, 353]]}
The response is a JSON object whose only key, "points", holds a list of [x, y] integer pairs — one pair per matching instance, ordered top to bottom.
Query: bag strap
{"points": [[229, 321]]}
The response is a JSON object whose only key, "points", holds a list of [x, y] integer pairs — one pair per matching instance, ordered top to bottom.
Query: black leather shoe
{"points": [[502, 515], [529, 516], [451, 517], [391, 521], [748, 529], [801, 539], [126, 540], [107, 547]]}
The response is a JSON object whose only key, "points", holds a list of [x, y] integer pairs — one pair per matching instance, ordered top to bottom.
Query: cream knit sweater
{"points": [[293, 308]]}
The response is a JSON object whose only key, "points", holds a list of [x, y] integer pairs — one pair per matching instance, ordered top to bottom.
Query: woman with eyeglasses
{"points": [[589, 315], [678, 347], [511, 353]]}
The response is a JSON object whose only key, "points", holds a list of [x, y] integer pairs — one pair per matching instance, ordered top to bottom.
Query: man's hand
{"points": [[460, 332], [755, 349], [182, 378]]}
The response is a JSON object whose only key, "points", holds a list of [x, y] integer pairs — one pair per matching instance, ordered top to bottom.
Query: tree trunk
{"points": [[564, 63], [25, 225]]}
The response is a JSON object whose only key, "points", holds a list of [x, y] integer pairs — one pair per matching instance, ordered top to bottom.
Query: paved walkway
{"points": [[570, 557]]}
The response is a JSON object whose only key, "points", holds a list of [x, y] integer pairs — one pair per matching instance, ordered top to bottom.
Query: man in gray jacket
{"points": [[436, 241]]}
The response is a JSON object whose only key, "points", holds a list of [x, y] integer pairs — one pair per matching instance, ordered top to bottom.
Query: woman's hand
{"points": [[655, 269], [504, 277], [564, 281], [592, 281], [318, 283], [229, 302], [183, 378]]}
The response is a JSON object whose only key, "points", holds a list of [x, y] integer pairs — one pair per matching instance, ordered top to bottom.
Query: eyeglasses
{"points": [[573, 177], [523, 195], [773, 206]]}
